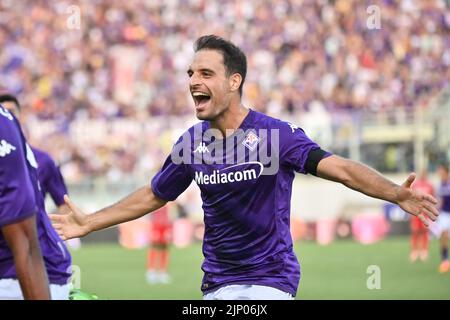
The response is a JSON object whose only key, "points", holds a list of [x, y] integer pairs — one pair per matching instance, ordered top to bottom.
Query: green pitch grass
{"points": [[337, 271]]}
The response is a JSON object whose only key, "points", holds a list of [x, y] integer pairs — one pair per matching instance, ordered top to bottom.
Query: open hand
{"points": [[416, 202], [74, 224]]}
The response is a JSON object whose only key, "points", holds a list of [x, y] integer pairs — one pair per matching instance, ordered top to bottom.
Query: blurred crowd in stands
{"points": [[79, 67]]}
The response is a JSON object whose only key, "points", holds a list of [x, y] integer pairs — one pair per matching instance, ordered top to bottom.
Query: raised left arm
{"points": [[366, 180]]}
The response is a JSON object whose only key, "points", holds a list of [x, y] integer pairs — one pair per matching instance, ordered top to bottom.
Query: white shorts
{"points": [[441, 224], [10, 290], [247, 292]]}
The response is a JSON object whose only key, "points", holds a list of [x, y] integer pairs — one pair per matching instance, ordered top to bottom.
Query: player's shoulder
{"points": [[6, 117], [264, 121], [200, 126], [9, 127], [193, 133], [10, 136], [41, 153], [42, 156]]}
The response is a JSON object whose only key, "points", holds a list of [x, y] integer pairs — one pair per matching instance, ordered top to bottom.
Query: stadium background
{"points": [[104, 90]]}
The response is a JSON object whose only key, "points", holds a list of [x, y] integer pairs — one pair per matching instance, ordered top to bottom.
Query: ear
{"points": [[235, 81]]}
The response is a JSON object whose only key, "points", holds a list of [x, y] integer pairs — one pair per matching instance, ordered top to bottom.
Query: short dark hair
{"points": [[233, 57], [9, 98]]}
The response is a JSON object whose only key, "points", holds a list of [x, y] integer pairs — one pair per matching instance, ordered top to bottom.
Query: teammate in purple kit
{"points": [[244, 163], [50, 178], [443, 222], [31, 253]]}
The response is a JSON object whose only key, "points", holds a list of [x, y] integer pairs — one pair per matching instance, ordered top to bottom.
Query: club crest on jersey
{"points": [[251, 141]]}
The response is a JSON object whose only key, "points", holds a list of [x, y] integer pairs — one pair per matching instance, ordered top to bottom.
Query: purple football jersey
{"points": [[50, 178], [246, 184], [444, 194], [21, 198]]}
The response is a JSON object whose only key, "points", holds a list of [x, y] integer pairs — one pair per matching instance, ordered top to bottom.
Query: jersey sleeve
{"points": [[297, 151], [172, 180], [54, 184], [17, 198]]}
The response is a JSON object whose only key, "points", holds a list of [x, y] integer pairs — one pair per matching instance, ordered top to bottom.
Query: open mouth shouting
{"points": [[201, 99]]}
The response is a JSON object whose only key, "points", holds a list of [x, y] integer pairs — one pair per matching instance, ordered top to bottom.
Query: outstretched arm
{"points": [[361, 178], [78, 224]]}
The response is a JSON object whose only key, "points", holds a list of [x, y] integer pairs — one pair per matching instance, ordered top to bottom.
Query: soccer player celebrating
{"points": [[244, 163], [443, 222], [419, 232], [32, 254]]}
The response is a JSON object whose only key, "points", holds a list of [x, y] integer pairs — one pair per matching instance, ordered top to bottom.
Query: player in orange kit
{"points": [[419, 232], [158, 252]]}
